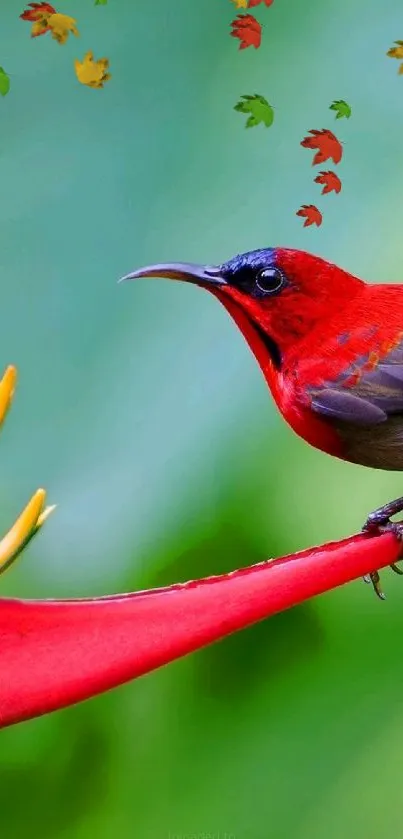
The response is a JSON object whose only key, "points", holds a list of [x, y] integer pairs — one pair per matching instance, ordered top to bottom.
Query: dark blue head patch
{"points": [[251, 261]]}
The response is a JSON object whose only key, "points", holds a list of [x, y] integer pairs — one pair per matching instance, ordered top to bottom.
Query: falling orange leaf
{"points": [[36, 11], [38, 14], [248, 30], [327, 144], [330, 181], [311, 214]]}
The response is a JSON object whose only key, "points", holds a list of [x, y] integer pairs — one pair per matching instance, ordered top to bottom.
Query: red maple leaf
{"points": [[257, 3], [37, 10], [248, 30], [327, 144], [331, 182], [311, 214]]}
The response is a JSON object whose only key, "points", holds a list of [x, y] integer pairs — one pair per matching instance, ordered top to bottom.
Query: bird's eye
{"points": [[269, 280]]}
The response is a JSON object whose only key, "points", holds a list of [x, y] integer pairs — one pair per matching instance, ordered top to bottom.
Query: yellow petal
{"points": [[7, 388], [44, 516], [24, 528]]}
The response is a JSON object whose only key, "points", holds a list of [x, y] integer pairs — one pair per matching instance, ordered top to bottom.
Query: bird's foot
{"points": [[379, 522]]}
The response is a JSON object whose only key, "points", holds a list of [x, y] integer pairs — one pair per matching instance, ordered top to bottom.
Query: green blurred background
{"points": [[143, 413]]}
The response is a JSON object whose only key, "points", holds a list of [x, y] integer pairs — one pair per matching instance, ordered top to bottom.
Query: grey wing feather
{"points": [[393, 371], [377, 395], [345, 406]]}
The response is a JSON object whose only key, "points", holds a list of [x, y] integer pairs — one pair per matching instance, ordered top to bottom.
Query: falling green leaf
{"points": [[101, 2], [4, 82], [258, 108], [342, 108]]}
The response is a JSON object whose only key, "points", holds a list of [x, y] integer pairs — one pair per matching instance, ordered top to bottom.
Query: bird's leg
{"points": [[379, 522], [396, 568]]}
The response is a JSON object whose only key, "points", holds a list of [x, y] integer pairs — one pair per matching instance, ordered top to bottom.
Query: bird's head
{"points": [[275, 295]]}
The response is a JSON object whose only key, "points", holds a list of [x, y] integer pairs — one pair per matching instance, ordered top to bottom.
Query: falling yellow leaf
{"points": [[240, 4], [61, 26], [396, 52], [90, 72]]}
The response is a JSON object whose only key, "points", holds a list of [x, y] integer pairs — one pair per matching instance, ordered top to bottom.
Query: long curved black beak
{"points": [[187, 271]]}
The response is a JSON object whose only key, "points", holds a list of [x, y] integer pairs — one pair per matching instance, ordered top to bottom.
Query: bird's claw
{"points": [[379, 522], [374, 579]]}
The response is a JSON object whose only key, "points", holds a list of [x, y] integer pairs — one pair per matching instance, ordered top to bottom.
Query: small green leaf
{"points": [[101, 2], [4, 82], [258, 108], [342, 108]]}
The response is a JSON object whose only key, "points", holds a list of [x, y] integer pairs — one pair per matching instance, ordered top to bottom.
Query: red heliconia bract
{"points": [[54, 653]]}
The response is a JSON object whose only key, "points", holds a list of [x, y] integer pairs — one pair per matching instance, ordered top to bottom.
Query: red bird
{"points": [[330, 347]]}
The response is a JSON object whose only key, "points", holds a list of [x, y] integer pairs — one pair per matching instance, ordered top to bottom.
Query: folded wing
{"points": [[361, 397]]}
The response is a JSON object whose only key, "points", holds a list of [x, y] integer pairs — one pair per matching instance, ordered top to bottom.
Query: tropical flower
{"points": [[35, 513], [54, 653]]}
